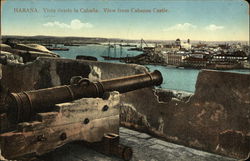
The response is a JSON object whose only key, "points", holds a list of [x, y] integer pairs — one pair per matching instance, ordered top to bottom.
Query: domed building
{"points": [[178, 42], [183, 45]]}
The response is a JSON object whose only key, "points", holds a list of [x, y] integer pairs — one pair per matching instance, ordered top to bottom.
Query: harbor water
{"points": [[174, 78]]}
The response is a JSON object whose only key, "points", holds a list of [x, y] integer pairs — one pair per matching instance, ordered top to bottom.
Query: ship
{"points": [[57, 48]]}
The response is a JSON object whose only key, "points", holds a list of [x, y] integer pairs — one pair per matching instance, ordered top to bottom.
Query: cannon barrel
{"points": [[22, 106]]}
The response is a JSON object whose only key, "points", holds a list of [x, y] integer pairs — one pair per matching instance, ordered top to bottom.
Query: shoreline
{"points": [[142, 60]]}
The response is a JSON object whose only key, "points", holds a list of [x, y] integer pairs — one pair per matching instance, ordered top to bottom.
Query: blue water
{"points": [[96, 51], [174, 78], [177, 78]]}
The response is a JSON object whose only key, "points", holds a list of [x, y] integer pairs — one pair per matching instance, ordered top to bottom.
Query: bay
{"points": [[173, 78]]}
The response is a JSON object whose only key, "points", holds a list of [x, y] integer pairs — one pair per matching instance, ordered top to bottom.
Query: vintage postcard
{"points": [[125, 79]]}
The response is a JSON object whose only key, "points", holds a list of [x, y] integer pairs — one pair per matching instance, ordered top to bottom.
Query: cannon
{"points": [[22, 106], [46, 119]]}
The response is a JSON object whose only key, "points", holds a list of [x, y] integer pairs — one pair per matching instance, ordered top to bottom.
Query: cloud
{"points": [[74, 24], [181, 27], [213, 27]]}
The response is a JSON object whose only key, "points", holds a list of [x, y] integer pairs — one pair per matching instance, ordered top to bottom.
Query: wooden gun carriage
{"points": [[82, 111]]}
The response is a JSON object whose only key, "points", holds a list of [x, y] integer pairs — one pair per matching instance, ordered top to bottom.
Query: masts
{"points": [[143, 41], [109, 49], [115, 49], [120, 50]]}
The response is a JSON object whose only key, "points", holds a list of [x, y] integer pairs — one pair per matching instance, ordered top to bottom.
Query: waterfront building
{"points": [[167, 48], [197, 55], [235, 57], [175, 59], [195, 62]]}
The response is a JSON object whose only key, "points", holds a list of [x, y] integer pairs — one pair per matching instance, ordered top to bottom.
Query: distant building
{"points": [[178, 42], [183, 45], [186, 45], [201, 45], [176, 46], [224, 46], [170, 47], [246, 49], [197, 55], [235, 57], [175, 59], [195, 62]]}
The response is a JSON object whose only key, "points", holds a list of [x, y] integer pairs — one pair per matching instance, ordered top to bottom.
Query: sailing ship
{"points": [[114, 46]]}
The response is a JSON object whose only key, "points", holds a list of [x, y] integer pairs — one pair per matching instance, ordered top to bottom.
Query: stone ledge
{"points": [[144, 150]]}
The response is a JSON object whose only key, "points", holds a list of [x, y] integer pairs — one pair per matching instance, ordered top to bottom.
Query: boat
{"points": [[70, 44], [128, 45], [57, 48], [135, 49], [113, 58]]}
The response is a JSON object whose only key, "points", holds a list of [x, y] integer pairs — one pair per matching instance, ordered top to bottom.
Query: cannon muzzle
{"points": [[24, 105]]}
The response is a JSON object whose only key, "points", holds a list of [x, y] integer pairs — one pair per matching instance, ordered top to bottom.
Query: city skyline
{"points": [[225, 20]]}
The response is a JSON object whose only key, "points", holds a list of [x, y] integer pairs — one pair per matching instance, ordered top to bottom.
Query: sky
{"points": [[208, 20]]}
